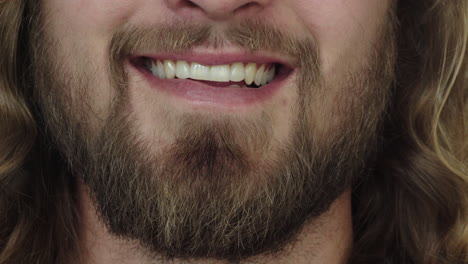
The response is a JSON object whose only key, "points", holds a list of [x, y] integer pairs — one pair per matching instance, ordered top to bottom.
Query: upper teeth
{"points": [[236, 72]]}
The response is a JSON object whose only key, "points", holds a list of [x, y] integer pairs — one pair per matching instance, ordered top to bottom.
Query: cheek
{"points": [[89, 17], [344, 29], [82, 31], [347, 32]]}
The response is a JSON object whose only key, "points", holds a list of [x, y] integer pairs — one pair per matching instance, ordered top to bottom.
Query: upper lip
{"points": [[221, 58]]}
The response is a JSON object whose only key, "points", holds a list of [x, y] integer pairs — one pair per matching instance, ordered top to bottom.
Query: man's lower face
{"points": [[225, 185]]}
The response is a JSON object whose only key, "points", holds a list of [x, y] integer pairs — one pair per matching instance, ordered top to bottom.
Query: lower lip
{"points": [[200, 93]]}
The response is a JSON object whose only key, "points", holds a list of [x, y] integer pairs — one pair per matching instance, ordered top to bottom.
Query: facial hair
{"points": [[216, 191]]}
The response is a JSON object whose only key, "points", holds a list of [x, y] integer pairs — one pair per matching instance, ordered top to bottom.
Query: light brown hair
{"points": [[414, 208]]}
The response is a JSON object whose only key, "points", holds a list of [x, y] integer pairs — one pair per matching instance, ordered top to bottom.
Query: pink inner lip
{"points": [[220, 84], [212, 93]]}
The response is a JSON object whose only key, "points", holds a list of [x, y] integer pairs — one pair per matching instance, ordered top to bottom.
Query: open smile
{"points": [[224, 80]]}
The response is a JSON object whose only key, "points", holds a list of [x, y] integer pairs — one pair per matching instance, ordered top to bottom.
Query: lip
{"points": [[200, 93]]}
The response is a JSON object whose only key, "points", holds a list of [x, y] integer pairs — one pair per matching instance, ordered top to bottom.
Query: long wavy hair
{"points": [[412, 209]]}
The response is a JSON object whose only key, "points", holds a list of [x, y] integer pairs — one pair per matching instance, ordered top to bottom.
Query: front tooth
{"points": [[169, 69], [182, 70], [160, 71], [250, 71], [199, 72], [237, 72], [221, 73], [259, 75]]}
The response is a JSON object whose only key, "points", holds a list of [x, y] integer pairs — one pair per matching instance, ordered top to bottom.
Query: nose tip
{"points": [[222, 9]]}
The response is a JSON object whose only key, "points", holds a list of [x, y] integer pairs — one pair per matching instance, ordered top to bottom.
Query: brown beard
{"points": [[215, 192]]}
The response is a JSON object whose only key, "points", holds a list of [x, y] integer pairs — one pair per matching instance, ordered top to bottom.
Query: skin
{"points": [[345, 31]]}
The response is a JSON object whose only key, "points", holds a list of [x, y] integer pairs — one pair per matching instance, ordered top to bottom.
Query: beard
{"points": [[223, 188]]}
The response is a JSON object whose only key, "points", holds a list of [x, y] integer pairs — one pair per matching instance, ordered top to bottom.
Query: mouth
{"points": [[216, 81]]}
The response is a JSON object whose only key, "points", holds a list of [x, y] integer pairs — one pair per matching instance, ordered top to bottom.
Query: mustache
{"points": [[183, 36], [178, 37]]}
